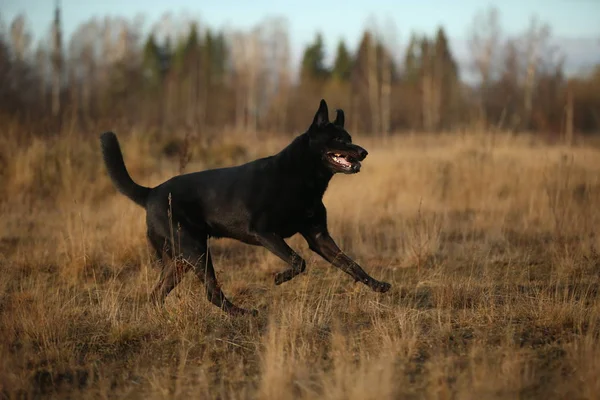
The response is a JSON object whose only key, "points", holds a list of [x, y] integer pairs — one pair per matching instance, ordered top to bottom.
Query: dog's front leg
{"points": [[323, 244], [276, 245]]}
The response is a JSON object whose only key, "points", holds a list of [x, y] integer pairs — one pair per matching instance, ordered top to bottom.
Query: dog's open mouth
{"points": [[343, 161]]}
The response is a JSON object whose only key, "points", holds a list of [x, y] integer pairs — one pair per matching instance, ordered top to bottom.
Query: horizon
{"points": [[573, 29]]}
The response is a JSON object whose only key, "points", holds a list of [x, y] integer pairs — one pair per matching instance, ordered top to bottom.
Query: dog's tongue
{"points": [[342, 161]]}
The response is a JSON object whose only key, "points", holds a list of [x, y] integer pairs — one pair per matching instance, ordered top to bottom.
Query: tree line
{"points": [[221, 80]]}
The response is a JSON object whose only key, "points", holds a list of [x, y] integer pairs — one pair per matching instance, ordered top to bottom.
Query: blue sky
{"points": [[574, 22]]}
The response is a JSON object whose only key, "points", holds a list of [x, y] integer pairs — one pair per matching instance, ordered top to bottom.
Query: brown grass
{"points": [[492, 253]]}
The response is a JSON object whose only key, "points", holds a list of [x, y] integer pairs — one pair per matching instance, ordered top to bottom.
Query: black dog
{"points": [[261, 202]]}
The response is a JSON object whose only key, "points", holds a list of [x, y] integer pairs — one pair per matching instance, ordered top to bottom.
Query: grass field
{"points": [[492, 252]]}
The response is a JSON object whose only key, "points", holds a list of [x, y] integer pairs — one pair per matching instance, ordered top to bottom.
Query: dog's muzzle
{"points": [[362, 153]]}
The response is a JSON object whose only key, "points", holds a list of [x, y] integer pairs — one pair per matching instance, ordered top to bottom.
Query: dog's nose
{"points": [[362, 153]]}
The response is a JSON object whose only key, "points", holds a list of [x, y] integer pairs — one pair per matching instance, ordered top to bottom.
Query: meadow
{"points": [[489, 241]]}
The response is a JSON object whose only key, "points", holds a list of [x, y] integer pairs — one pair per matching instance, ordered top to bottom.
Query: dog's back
{"points": [[230, 201]]}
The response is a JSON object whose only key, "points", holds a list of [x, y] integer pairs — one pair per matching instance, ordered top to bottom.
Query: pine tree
{"points": [[193, 39], [166, 55], [187, 55], [208, 55], [179, 56], [218, 57], [313, 61], [152, 62], [412, 64], [342, 66], [446, 80], [428, 93]]}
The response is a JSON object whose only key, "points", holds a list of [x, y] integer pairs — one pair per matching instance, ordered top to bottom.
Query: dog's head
{"points": [[333, 144]]}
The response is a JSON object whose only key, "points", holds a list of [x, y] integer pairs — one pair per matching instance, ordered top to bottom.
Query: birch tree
{"points": [[484, 39], [535, 39], [57, 62]]}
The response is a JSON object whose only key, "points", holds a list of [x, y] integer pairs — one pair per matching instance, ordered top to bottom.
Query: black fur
{"points": [[118, 173], [261, 203]]}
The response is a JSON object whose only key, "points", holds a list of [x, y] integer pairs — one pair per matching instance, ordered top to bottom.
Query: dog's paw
{"points": [[381, 287]]}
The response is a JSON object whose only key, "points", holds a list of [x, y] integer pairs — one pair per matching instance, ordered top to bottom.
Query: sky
{"points": [[574, 23]]}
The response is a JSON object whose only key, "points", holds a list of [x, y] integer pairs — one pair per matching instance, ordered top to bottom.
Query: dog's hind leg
{"points": [[159, 245], [276, 245], [193, 254], [172, 270], [205, 271], [170, 275]]}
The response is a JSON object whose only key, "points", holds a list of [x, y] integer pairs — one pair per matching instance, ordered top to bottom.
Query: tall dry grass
{"points": [[492, 252]]}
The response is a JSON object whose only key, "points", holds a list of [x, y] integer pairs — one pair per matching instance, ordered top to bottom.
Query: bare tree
{"points": [[20, 38], [535, 40], [484, 41], [389, 43], [84, 49], [41, 61], [57, 61], [248, 64], [255, 67], [277, 69], [372, 71], [285, 75], [240, 77], [369, 79], [509, 90], [428, 96], [569, 115]]}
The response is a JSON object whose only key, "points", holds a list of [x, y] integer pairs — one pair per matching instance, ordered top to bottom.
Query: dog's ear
{"points": [[322, 116], [339, 118]]}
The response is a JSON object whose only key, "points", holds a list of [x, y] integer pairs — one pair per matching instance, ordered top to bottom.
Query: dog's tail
{"points": [[113, 158]]}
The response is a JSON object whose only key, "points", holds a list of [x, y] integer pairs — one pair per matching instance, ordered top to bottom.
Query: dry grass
{"points": [[492, 254]]}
